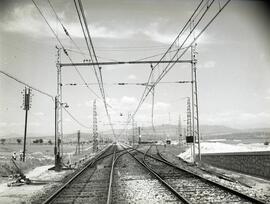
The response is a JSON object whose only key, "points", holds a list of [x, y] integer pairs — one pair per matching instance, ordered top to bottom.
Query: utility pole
{"points": [[26, 107], [95, 131], [78, 142]]}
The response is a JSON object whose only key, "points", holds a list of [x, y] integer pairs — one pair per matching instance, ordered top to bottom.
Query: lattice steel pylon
{"points": [[153, 102], [195, 109], [58, 115], [95, 128], [189, 129], [180, 135]]}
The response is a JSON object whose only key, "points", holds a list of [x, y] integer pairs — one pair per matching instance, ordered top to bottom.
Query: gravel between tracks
{"points": [[133, 184]]}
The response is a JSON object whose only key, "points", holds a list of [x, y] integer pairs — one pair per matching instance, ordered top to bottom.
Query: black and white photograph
{"points": [[134, 101]]}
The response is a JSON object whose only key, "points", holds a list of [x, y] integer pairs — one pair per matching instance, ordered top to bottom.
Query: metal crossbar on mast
{"points": [[122, 62]]}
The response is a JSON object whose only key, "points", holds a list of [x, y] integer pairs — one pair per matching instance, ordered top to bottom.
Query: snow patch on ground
{"points": [[218, 147]]}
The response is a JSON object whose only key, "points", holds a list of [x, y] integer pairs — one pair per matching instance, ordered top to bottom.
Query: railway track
{"points": [[121, 174], [133, 183], [89, 185], [190, 186]]}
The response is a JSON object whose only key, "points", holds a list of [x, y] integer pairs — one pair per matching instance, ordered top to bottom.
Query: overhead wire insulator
{"points": [[65, 30], [65, 51]]}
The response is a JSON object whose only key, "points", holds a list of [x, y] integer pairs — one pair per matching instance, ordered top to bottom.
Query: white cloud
{"points": [[27, 15], [25, 20], [157, 36], [207, 65], [132, 76], [267, 97], [128, 100], [79, 105], [126, 105], [162, 106], [39, 114], [67, 119], [237, 119], [3, 124], [13, 124], [34, 124]]}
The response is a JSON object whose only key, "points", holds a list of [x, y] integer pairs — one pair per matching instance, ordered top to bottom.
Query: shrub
{"points": [[3, 140], [19, 141]]}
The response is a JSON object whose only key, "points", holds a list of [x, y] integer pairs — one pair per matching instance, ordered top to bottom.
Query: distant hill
{"points": [[171, 131], [208, 132]]}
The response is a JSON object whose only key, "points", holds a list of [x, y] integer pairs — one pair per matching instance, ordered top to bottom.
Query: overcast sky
{"points": [[233, 63]]}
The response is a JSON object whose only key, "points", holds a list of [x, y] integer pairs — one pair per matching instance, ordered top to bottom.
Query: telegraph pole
{"points": [[26, 107], [78, 142]]}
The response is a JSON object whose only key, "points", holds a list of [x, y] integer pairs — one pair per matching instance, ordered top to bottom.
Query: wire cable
{"points": [[65, 29], [203, 30], [65, 51], [92, 52], [156, 55], [166, 70], [27, 85], [44, 93], [145, 93], [77, 121]]}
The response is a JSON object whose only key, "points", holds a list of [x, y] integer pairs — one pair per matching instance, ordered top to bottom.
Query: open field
{"points": [[36, 155]]}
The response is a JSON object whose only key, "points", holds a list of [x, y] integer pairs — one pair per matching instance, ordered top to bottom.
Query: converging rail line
{"points": [[121, 174], [133, 183], [191, 186]]}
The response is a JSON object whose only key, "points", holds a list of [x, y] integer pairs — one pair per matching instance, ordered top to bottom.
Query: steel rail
{"points": [[115, 159], [90, 163], [168, 186], [236, 192], [109, 197]]}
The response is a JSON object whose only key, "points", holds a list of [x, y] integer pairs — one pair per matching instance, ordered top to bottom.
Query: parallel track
{"points": [[95, 182], [90, 184], [192, 187], [171, 189], [154, 191]]}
